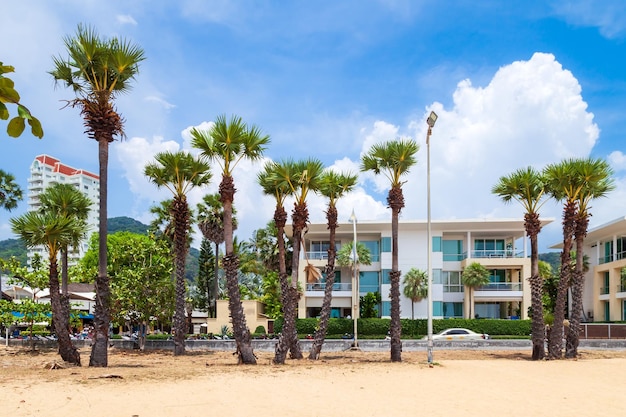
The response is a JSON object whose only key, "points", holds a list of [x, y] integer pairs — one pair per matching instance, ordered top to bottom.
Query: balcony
{"points": [[494, 253], [320, 255], [610, 258], [501, 286], [317, 289], [604, 290]]}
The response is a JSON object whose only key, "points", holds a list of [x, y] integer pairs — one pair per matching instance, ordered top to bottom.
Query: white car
{"points": [[459, 334]]}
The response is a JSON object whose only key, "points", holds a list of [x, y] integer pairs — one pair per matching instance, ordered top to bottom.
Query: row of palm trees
{"points": [[575, 182]]}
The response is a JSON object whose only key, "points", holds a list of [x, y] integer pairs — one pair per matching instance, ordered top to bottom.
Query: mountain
{"points": [[126, 224], [13, 247]]}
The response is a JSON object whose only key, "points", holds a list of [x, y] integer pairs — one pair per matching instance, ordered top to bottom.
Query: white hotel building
{"points": [[45, 171], [501, 245]]}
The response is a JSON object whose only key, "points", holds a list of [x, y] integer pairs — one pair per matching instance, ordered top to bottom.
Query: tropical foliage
{"points": [[9, 95]]}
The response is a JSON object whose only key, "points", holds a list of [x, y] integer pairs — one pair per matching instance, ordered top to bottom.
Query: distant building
{"points": [[45, 171]]}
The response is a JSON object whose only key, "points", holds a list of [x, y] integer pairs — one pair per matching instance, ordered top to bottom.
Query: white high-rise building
{"points": [[45, 171]]}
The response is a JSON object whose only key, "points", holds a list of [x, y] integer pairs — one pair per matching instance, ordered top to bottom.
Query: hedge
{"points": [[413, 328]]}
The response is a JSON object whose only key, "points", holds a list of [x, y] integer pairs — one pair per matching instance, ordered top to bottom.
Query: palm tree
{"points": [[98, 70], [227, 143], [394, 159], [179, 172], [594, 174], [300, 178], [563, 184], [332, 185], [527, 186], [10, 191], [66, 200], [211, 225], [54, 232], [474, 276], [415, 287]]}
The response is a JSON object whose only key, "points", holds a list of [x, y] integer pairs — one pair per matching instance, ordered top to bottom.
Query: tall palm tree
{"points": [[98, 70], [228, 143], [393, 159], [179, 172], [594, 174], [301, 178], [272, 184], [563, 184], [333, 186], [527, 186], [10, 191], [66, 200], [211, 225], [54, 232], [475, 275], [415, 287]]}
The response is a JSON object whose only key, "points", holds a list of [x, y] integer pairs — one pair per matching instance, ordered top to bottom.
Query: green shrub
{"points": [[259, 330]]}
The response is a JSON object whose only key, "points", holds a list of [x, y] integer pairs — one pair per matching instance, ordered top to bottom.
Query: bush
{"points": [[259, 330]]}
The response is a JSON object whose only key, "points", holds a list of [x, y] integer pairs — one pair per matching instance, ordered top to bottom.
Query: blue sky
{"points": [[514, 84]]}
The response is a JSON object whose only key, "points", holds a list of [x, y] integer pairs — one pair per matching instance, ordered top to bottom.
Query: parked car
{"points": [[459, 334]]}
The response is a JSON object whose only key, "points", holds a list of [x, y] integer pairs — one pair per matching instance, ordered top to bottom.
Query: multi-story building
{"points": [[45, 171], [500, 245], [604, 294]]}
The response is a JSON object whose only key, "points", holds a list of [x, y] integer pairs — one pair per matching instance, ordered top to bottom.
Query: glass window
{"points": [[436, 243], [385, 244], [374, 248], [452, 250], [385, 276], [437, 276], [452, 281], [368, 282], [386, 308], [438, 308], [451, 310]]}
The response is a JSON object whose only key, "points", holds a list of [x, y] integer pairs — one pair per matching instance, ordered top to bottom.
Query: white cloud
{"points": [[608, 16], [126, 19], [160, 101], [617, 159]]}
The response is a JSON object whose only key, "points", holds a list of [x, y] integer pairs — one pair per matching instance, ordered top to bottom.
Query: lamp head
{"points": [[432, 118]]}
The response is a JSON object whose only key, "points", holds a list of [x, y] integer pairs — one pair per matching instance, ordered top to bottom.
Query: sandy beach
{"points": [[462, 383]]}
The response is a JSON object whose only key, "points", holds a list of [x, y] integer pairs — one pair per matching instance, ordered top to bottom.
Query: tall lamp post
{"points": [[432, 118], [355, 282]]}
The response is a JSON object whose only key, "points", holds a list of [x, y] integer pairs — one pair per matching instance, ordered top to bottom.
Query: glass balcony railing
{"points": [[505, 253], [610, 258], [337, 286], [502, 286], [604, 290]]}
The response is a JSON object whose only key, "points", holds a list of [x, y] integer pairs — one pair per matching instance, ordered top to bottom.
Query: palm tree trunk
{"points": [[396, 202], [180, 209], [533, 227], [231, 267], [102, 316], [60, 320], [320, 334], [572, 340], [555, 343]]}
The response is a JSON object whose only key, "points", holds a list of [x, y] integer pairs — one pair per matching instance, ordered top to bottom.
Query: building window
{"points": [[436, 243], [385, 244], [374, 248], [488, 248], [319, 249], [452, 250], [385, 276], [437, 276], [451, 281], [368, 282], [605, 287], [386, 308], [438, 308], [452, 310], [623, 310], [607, 311]]}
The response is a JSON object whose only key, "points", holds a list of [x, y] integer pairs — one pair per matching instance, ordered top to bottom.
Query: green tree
{"points": [[98, 70], [8, 94], [228, 143], [393, 159], [179, 172], [594, 176], [332, 185], [527, 187], [10, 191], [54, 232], [140, 268], [474, 276], [415, 287], [203, 295], [369, 305]]}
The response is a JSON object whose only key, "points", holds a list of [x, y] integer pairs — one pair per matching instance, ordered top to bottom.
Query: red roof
{"points": [[57, 166]]}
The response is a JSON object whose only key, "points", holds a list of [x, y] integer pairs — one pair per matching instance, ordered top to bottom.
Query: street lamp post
{"points": [[432, 118], [355, 282]]}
